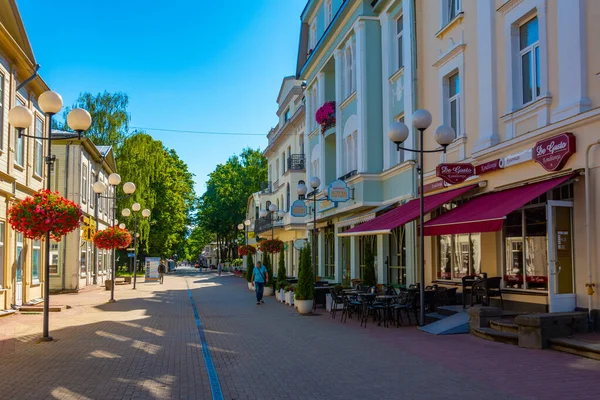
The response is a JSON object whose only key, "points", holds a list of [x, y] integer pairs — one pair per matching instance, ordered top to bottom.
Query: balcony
{"points": [[296, 162], [348, 175], [265, 223]]}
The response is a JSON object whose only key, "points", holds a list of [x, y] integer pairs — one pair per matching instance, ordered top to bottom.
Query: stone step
{"points": [[41, 308], [6, 313], [504, 325], [496, 336], [577, 347]]}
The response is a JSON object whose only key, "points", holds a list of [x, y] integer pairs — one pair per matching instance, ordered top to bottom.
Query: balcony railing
{"points": [[296, 162], [348, 175]]}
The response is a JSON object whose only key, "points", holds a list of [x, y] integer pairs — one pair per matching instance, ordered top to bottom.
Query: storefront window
{"points": [[363, 242], [459, 256], [54, 257], [84, 259], [397, 260], [35, 261]]}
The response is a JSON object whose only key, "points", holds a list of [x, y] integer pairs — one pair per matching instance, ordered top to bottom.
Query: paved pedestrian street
{"points": [[148, 345]]}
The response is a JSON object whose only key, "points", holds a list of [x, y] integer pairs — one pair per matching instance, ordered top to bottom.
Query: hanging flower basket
{"points": [[326, 115], [45, 212], [112, 238], [271, 246], [246, 249]]}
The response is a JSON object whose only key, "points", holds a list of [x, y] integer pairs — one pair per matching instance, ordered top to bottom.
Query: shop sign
{"points": [[553, 153], [518, 158], [489, 166], [455, 173], [430, 187], [338, 191], [326, 205], [299, 209], [250, 235], [299, 244]]}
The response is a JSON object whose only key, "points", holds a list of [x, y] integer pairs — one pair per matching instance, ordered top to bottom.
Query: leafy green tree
{"points": [[110, 119], [194, 244], [281, 272], [369, 274], [305, 289]]}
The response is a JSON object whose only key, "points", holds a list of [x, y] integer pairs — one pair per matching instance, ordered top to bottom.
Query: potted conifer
{"points": [[249, 269], [268, 286], [305, 289]]}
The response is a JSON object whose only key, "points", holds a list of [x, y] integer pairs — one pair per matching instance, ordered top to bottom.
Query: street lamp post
{"points": [[79, 120], [443, 135], [114, 180], [315, 182], [126, 212], [276, 215]]}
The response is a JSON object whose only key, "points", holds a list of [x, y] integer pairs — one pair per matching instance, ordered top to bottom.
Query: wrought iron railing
{"points": [[296, 162], [348, 175], [266, 187]]}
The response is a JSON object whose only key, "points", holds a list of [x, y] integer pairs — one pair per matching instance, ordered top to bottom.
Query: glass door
{"points": [[560, 256]]}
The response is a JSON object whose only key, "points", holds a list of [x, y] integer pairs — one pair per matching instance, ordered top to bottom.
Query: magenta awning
{"points": [[487, 212], [403, 214]]}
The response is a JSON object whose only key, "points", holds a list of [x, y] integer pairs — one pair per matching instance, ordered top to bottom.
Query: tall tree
{"points": [[110, 119]]}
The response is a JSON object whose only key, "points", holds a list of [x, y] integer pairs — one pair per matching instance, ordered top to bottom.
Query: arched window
{"points": [[350, 137]]}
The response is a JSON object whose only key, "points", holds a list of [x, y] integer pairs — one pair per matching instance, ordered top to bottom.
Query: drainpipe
{"points": [[588, 201]]}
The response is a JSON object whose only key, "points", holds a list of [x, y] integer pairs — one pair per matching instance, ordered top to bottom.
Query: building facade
{"points": [[286, 165], [22, 167], [75, 262]]}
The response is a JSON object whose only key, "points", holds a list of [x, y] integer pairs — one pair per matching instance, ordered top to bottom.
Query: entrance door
{"points": [[19, 271], [561, 290]]}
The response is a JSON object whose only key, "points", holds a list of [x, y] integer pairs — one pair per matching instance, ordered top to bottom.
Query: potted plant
{"points": [[325, 116], [45, 212], [112, 238], [271, 246], [246, 249], [249, 269], [281, 275], [305, 289], [269, 291]]}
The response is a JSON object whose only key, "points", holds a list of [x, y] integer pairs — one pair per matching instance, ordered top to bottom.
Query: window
{"points": [[451, 10], [328, 13], [313, 36], [399, 36], [529, 52], [349, 73], [454, 102], [1, 116], [286, 116], [20, 142], [39, 149], [350, 151], [283, 163], [92, 180], [84, 183], [288, 197], [101, 199], [2, 227], [459, 256], [19, 257], [54, 257], [84, 260], [397, 260], [35, 261], [329, 272]]}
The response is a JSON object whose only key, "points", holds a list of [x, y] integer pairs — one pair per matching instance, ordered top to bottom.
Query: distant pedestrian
{"points": [[220, 268], [161, 271], [260, 277]]}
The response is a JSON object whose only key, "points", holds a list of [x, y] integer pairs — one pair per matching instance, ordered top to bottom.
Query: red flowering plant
{"points": [[326, 115], [45, 212], [112, 238], [270, 246], [246, 249]]}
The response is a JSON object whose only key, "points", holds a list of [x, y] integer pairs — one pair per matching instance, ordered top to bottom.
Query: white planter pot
{"points": [[250, 287], [268, 291], [277, 296], [282, 296], [289, 298], [295, 303], [304, 306]]}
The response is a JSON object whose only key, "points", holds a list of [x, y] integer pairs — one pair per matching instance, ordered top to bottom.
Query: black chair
{"points": [[467, 283], [485, 289], [336, 297], [408, 304], [351, 306]]}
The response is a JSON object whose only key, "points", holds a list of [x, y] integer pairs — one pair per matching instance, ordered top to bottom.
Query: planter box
{"points": [[127, 279], [282, 295], [289, 298], [304, 306]]}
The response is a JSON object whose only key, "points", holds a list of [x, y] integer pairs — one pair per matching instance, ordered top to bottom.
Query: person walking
{"points": [[220, 268], [161, 271], [260, 277]]}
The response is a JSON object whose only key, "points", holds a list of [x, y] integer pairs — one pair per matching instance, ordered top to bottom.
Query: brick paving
{"points": [[146, 346]]}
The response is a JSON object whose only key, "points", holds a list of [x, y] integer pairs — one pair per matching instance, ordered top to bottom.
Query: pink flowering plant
{"points": [[326, 115], [45, 212]]}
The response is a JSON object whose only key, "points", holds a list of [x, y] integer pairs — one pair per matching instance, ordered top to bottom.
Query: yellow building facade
{"points": [[519, 81], [22, 168]]}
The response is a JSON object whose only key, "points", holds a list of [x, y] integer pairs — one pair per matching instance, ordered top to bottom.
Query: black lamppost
{"points": [[79, 120], [443, 135], [114, 180], [302, 190], [126, 212], [275, 215]]}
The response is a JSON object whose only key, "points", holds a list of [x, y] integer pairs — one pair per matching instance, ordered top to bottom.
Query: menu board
{"points": [[152, 264]]}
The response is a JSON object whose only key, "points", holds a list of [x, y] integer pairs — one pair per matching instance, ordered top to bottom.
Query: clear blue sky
{"points": [[186, 64]]}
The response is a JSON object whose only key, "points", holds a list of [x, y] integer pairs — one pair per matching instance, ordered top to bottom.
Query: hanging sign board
{"points": [[553, 153], [518, 158], [489, 166], [455, 173], [430, 187], [338, 191], [325, 205], [299, 209], [299, 244], [152, 264]]}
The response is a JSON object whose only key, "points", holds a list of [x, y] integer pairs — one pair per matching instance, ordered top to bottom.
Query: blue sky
{"points": [[195, 65]]}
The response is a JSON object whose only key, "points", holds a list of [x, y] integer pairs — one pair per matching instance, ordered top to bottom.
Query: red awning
{"points": [[486, 213], [403, 214]]}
